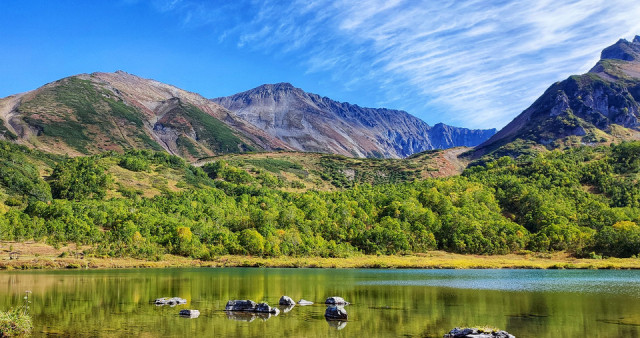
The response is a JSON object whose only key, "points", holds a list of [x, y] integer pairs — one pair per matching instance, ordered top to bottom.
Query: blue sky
{"points": [[473, 64]]}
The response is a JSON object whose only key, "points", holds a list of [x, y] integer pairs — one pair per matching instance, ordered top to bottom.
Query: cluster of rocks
{"points": [[173, 301], [287, 301], [250, 306], [248, 310], [477, 333]]}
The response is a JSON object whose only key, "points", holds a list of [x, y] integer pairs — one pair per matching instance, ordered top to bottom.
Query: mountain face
{"points": [[596, 107], [91, 113], [308, 122]]}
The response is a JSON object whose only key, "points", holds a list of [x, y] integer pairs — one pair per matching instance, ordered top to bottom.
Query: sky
{"points": [[474, 64]]}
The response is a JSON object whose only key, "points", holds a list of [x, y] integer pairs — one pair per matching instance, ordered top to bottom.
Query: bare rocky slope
{"points": [[597, 107], [309, 122]]}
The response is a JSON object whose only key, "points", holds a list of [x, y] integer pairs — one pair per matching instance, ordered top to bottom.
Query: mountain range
{"points": [[92, 113]]}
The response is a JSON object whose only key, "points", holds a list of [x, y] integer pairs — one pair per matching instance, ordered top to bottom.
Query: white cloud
{"points": [[470, 63]]}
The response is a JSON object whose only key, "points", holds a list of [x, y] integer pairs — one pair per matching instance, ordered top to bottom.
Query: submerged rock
{"points": [[286, 300], [170, 301], [336, 301], [304, 302], [240, 305], [189, 313], [335, 313], [477, 333]]}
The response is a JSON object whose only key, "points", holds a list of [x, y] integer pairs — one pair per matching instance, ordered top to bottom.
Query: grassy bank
{"points": [[41, 256], [15, 322]]}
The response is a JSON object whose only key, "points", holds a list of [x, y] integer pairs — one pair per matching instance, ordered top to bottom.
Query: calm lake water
{"points": [[393, 303]]}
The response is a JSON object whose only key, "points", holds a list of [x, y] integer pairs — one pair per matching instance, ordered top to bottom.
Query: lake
{"points": [[393, 303]]}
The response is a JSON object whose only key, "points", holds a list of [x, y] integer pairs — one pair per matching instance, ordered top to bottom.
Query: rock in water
{"points": [[285, 300], [170, 301], [336, 301], [304, 302], [240, 305], [250, 306], [265, 308], [189, 313], [335, 313], [477, 333]]}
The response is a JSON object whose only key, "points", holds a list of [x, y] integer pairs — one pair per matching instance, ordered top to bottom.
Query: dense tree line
{"points": [[583, 200]]}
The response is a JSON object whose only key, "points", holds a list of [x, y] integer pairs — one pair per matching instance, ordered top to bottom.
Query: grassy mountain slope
{"points": [[93, 113], [303, 171]]}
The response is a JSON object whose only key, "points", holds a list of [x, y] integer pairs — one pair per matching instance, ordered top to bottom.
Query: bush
{"points": [[134, 163], [251, 241], [16, 322]]}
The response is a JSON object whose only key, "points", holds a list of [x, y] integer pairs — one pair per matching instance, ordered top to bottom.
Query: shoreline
{"points": [[36, 256]]}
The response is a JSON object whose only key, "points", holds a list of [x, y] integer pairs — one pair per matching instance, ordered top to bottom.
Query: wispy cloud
{"points": [[474, 63]]}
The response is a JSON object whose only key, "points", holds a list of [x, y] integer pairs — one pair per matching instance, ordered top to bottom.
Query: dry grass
{"points": [[42, 256]]}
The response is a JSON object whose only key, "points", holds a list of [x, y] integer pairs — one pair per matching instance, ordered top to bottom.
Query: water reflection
{"points": [[385, 302], [286, 309], [243, 316], [337, 324]]}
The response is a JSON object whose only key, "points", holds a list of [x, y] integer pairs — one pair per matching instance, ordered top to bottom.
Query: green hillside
{"points": [[296, 171], [143, 204]]}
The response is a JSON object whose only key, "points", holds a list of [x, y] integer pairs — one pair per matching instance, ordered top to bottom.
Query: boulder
{"points": [[285, 300], [170, 301], [336, 301], [304, 302], [240, 305], [265, 308], [189, 313], [335, 313], [477, 333]]}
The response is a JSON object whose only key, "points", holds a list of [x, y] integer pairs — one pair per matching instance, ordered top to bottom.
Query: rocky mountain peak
{"points": [[623, 50], [275, 87], [591, 108], [309, 122]]}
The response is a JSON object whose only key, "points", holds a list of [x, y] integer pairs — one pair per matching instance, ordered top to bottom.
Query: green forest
{"points": [[583, 200]]}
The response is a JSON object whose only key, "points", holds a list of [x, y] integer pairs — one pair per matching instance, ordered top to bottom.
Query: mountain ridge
{"points": [[90, 113], [307, 121]]}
